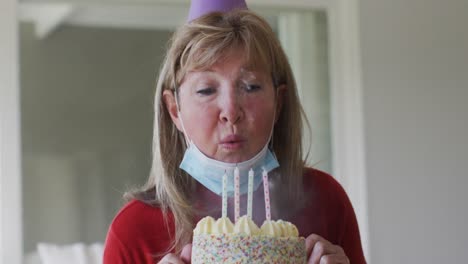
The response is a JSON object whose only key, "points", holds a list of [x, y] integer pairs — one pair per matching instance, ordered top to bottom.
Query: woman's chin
{"points": [[233, 157]]}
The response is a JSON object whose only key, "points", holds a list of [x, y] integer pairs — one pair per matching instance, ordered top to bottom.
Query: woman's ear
{"points": [[280, 98], [171, 106]]}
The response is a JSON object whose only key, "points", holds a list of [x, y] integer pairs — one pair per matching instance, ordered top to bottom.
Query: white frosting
{"points": [[204, 226], [223, 226], [246, 226], [271, 228]]}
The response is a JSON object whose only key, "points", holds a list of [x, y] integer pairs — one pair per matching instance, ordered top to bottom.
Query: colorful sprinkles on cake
{"points": [[237, 248]]}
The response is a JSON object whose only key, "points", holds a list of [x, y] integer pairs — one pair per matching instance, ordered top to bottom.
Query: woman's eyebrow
{"points": [[246, 73], [201, 75]]}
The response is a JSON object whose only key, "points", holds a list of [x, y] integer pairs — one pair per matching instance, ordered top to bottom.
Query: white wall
{"points": [[415, 77], [10, 195]]}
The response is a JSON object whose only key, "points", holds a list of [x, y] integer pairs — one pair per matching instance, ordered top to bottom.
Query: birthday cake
{"points": [[223, 242]]}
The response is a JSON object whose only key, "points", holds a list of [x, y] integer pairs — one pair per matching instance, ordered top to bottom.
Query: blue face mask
{"points": [[209, 172]]}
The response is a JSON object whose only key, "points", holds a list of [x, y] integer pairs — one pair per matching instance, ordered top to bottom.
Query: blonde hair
{"points": [[198, 45]]}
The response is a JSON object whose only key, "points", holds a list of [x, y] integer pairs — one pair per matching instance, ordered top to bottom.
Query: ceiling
{"points": [[48, 16]]}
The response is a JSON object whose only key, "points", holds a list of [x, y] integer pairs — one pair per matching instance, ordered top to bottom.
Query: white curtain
{"points": [[304, 38]]}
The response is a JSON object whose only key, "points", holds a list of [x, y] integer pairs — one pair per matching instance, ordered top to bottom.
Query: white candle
{"points": [[266, 189], [236, 194], [250, 194], [224, 206]]}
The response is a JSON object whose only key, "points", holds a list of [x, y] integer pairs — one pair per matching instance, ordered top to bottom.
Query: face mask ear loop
{"points": [[274, 122], [273, 127], [187, 140]]}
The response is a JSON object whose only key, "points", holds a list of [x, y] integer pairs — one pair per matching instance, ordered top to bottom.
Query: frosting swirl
{"points": [[223, 226], [246, 226]]}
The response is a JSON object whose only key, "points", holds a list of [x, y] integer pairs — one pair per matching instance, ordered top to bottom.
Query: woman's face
{"points": [[228, 110]]}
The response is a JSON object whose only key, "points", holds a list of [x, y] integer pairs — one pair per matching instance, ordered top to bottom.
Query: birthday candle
{"points": [[266, 189], [236, 194], [250, 194], [224, 206]]}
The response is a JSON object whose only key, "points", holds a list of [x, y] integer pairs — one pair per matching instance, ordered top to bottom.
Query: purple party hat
{"points": [[199, 8]]}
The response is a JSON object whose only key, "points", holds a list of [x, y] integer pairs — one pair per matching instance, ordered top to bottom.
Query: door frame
{"points": [[346, 112], [11, 236]]}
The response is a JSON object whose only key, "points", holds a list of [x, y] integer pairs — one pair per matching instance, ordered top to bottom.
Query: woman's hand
{"points": [[322, 251], [184, 258]]}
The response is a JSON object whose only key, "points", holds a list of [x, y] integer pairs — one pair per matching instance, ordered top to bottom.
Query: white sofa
{"points": [[78, 253]]}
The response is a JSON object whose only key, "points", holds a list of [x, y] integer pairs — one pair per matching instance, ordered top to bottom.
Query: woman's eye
{"points": [[252, 87], [206, 91]]}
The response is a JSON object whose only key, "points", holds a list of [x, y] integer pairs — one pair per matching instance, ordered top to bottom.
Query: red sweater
{"points": [[138, 233]]}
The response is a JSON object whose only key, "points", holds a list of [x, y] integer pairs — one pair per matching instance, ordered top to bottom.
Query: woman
{"points": [[226, 95]]}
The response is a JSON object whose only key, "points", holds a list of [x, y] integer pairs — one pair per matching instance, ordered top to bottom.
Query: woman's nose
{"points": [[231, 108]]}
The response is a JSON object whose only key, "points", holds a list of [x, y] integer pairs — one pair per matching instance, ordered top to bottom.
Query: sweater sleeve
{"points": [[333, 214], [138, 235], [350, 237], [115, 251]]}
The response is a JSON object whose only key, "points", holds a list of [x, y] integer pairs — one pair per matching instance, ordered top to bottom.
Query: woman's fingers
{"points": [[310, 242], [316, 242], [321, 251], [186, 254], [171, 259], [334, 259]]}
